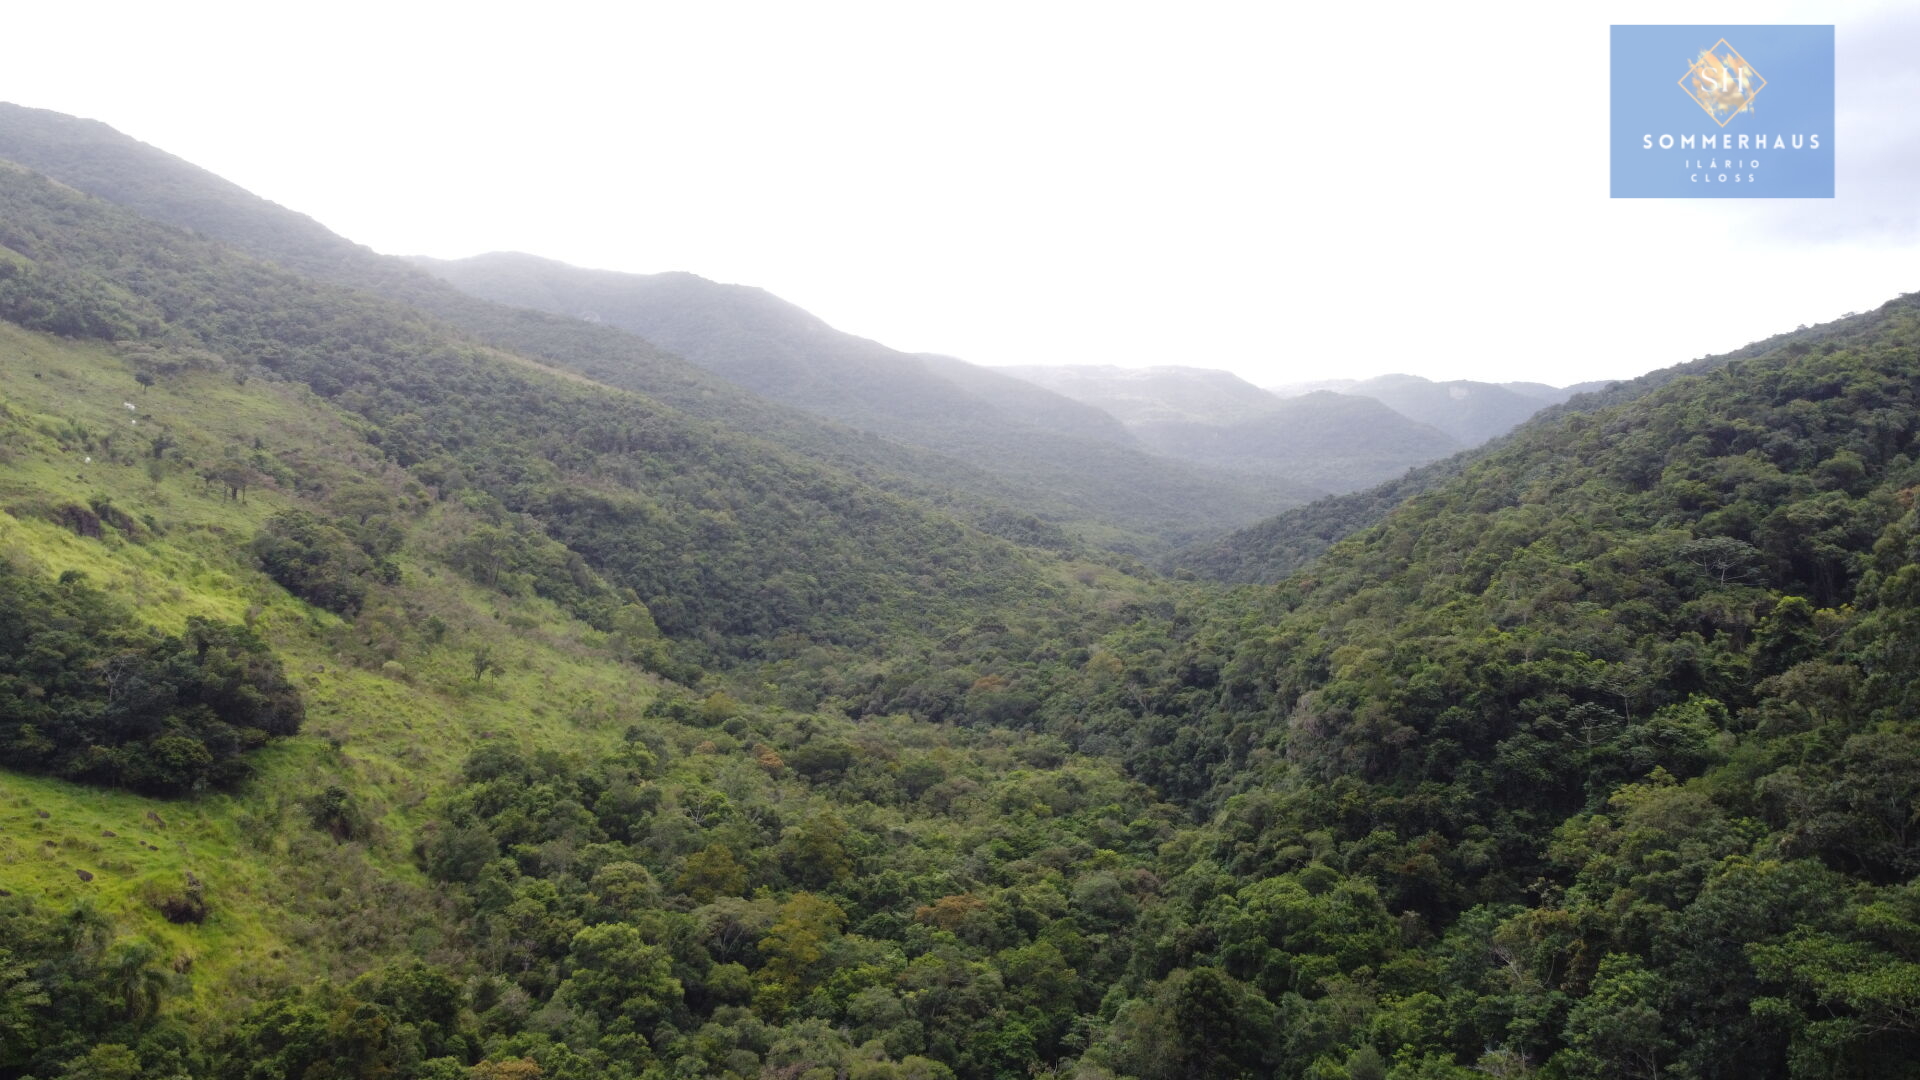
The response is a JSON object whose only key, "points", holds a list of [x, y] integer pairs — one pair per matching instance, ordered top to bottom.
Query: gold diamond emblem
{"points": [[1722, 82]]}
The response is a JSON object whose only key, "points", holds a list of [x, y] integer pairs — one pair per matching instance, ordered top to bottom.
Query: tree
{"points": [[314, 560], [484, 662], [815, 854], [709, 873], [797, 942], [614, 973], [135, 977], [21, 998], [1199, 1024], [1616, 1031], [107, 1061]]}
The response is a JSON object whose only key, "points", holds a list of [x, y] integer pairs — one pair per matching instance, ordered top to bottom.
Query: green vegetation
{"points": [[1071, 463], [1025, 482], [632, 488], [1270, 550], [87, 696], [382, 703]]}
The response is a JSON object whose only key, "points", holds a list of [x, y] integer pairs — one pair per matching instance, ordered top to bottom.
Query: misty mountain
{"points": [[753, 338], [777, 350], [1296, 389], [1156, 394], [1470, 411], [1337, 442], [1019, 476], [1271, 550]]}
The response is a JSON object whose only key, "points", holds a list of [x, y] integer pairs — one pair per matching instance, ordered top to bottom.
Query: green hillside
{"points": [[757, 340], [1062, 450], [1028, 484], [631, 487], [473, 537], [1270, 550], [381, 701], [390, 703], [1619, 722], [143, 929]]}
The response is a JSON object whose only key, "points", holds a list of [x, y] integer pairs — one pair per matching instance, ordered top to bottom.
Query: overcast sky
{"points": [[1287, 194]]}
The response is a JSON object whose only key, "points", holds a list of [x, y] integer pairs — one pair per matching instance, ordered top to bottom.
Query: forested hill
{"points": [[753, 338], [1166, 392], [993, 421], [1027, 484], [727, 540], [1270, 550], [1620, 721]]}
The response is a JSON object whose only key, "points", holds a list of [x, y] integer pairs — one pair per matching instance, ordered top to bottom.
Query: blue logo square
{"points": [[1722, 112]]}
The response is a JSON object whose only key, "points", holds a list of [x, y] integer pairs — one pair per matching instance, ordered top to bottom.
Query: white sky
{"points": [[1287, 194]]}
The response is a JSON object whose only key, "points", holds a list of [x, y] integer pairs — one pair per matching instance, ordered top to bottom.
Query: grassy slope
{"points": [[636, 487], [391, 736], [288, 903]]}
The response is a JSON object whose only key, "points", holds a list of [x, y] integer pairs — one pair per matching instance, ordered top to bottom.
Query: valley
{"points": [[495, 669]]}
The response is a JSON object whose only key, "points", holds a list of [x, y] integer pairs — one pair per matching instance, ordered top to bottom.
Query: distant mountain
{"points": [[759, 341], [1288, 390], [1540, 391], [1568, 393], [1156, 394], [1025, 402], [1471, 412], [1008, 426], [1336, 442], [1066, 471], [1273, 549]]}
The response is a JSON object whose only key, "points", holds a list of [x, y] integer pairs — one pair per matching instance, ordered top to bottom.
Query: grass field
{"points": [[391, 727]]}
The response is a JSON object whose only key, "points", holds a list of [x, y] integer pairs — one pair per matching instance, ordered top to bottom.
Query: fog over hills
{"points": [[757, 340], [1155, 394], [1472, 412], [1068, 426], [1012, 428], [1340, 434], [1337, 441], [1042, 468]]}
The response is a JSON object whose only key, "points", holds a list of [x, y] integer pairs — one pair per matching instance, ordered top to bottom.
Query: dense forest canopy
{"points": [[381, 698]]}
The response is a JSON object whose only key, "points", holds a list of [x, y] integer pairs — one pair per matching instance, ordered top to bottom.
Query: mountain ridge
{"points": [[773, 348], [1336, 442], [1160, 505]]}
